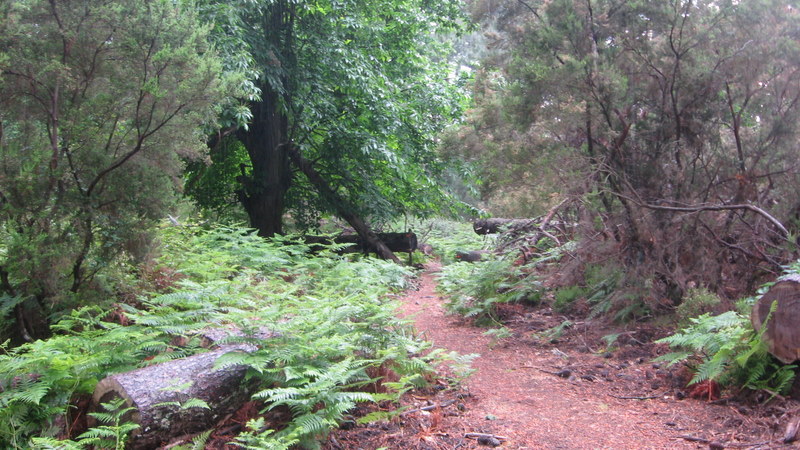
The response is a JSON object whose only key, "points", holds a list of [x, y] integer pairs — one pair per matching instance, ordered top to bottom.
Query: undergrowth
{"points": [[473, 289], [329, 320], [726, 349]]}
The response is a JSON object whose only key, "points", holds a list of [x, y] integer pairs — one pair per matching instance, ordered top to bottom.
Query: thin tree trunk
{"points": [[344, 210]]}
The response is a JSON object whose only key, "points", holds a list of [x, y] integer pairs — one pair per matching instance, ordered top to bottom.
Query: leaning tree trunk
{"points": [[344, 210]]}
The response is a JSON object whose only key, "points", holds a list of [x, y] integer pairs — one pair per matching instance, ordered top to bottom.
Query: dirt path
{"points": [[517, 394]]}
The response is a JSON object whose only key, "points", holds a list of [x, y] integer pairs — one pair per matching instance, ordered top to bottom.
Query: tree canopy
{"points": [[358, 89], [100, 101], [673, 123]]}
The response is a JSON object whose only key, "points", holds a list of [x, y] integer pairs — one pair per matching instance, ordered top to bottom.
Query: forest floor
{"points": [[565, 393]]}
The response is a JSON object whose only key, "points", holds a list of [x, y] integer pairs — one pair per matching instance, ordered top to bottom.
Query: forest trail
{"points": [[517, 394]]}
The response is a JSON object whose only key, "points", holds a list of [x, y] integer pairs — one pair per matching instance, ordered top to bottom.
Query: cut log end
{"points": [[782, 335], [158, 394]]}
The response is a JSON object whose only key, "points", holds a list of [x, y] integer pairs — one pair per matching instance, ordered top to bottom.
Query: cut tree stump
{"points": [[783, 333], [154, 390]]}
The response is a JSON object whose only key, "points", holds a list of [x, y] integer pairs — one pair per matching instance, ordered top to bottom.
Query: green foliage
{"points": [[349, 87], [100, 102], [474, 288], [564, 297], [697, 301], [330, 320], [556, 332], [728, 351], [39, 379], [114, 431]]}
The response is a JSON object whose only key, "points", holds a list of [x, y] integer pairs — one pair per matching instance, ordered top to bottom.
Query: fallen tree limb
{"points": [[343, 209], [162, 395], [633, 397], [484, 435]]}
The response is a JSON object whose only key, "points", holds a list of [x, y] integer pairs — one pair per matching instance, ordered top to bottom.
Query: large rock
{"points": [[783, 328]]}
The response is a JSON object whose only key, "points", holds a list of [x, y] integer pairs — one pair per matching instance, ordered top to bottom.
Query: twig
{"points": [[634, 397], [444, 404], [484, 435], [694, 438]]}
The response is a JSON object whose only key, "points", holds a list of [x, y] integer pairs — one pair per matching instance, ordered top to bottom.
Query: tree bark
{"points": [[262, 193], [340, 205], [782, 335], [154, 390]]}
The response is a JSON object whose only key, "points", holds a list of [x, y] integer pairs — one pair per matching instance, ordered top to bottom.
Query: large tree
{"points": [[350, 94], [99, 100]]}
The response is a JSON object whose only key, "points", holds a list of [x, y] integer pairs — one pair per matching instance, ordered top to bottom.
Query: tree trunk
{"points": [[263, 191], [340, 205], [155, 390]]}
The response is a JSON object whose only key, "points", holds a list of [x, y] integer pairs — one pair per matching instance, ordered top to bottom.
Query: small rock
{"points": [[564, 373], [587, 377], [491, 417], [670, 424], [488, 441], [716, 445]]}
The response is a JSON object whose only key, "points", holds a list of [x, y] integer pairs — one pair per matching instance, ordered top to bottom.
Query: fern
{"points": [[333, 317], [729, 351]]}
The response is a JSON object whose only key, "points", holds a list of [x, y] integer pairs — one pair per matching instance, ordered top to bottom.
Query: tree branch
{"points": [[698, 208]]}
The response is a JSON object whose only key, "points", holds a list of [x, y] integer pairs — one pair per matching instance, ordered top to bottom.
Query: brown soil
{"points": [[567, 393]]}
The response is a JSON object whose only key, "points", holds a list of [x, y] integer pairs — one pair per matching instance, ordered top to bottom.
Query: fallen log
{"points": [[396, 242], [782, 335], [161, 392]]}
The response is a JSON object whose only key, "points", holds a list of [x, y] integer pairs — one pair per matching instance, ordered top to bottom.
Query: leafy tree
{"points": [[350, 94], [100, 99], [675, 122]]}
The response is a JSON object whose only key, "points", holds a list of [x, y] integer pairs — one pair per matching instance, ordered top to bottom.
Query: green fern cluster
{"points": [[474, 289], [330, 319], [726, 349]]}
